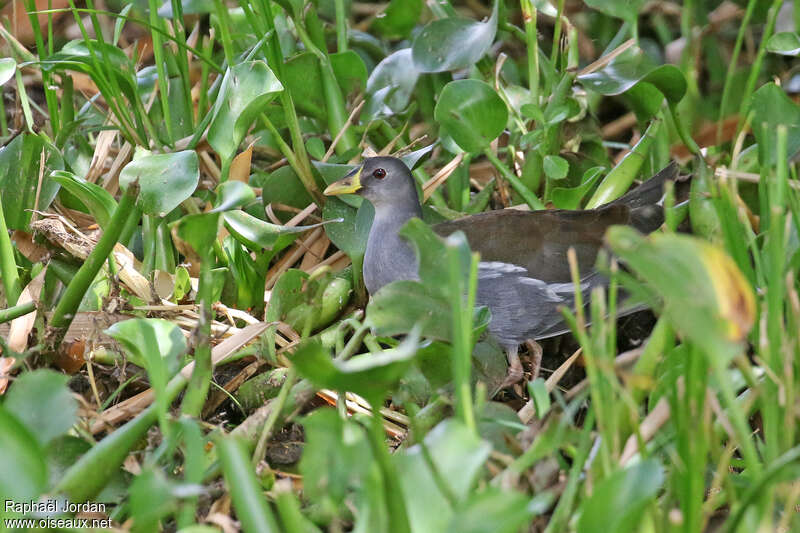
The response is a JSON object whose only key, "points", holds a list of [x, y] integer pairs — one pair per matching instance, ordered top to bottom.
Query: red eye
{"points": [[379, 173]]}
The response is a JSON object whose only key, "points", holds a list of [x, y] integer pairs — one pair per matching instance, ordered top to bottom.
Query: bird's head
{"points": [[384, 181]]}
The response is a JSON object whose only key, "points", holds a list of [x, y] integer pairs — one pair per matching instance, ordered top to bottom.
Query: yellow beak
{"points": [[347, 185]]}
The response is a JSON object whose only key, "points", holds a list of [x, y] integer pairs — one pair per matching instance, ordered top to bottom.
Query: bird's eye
{"points": [[379, 173]]}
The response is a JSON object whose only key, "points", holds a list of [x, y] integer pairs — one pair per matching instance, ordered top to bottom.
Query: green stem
{"points": [[341, 26], [532, 40], [163, 78], [530, 198], [8, 266], [71, 299], [7, 315]]}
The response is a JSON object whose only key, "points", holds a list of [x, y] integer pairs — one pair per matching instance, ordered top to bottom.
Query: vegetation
{"points": [[185, 335]]}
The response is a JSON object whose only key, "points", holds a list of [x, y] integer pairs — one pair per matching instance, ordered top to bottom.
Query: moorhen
{"points": [[523, 274]]}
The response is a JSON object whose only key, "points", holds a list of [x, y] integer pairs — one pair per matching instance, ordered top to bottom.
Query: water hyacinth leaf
{"points": [[627, 10], [399, 18], [453, 43], [786, 43], [76, 55], [631, 68], [7, 69], [350, 71], [303, 79], [390, 85], [245, 90], [771, 107], [472, 113], [413, 159], [555, 167], [19, 178], [165, 180], [282, 187], [232, 194], [97, 200], [257, 234], [350, 234], [705, 295], [296, 299], [397, 307], [150, 342], [370, 375], [42, 401], [458, 455], [23, 471], [617, 502]]}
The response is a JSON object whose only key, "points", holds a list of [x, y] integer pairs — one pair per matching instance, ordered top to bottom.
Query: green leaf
{"points": [[627, 10], [398, 19], [453, 43], [785, 43], [7, 69], [350, 71], [633, 72], [303, 79], [391, 84], [245, 90], [772, 107], [472, 113], [555, 167], [19, 178], [165, 180], [232, 194], [570, 198], [97, 200], [199, 231], [257, 234], [349, 235], [706, 297], [296, 298], [150, 342], [370, 375], [541, 398], [42, 401], [458, 456], [23, 471], [151, 499], [617, 502], [493, 510]]}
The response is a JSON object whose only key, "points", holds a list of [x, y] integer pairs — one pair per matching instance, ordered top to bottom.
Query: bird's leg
{"points": [[536, 352], [515, 372]]}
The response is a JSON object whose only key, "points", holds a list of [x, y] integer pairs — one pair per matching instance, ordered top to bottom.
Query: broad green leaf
{"points": [[627, 10], [398, 18], [453, 43], [786, 43], [97, 62], [7, 69], [350, 71], [632, 71], [303, 79], [391, 84], [245, 90], [772, 107], [472, 113], [555, 167], [19, 178], [165, 180], [282, 187], [232, 194], [570, 198], [97, 200], [199, 231], [257, 234], [349, 235], [706, 297], [296, 298], [399, 306], [150, 342], [370, 375], [42, 401], [458, 455], [336, 458], [23, 471], [151, 499], [617, 502], [493, 510]]}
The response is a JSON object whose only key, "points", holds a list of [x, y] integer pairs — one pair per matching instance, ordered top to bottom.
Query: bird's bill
{"points": [[350, 184]]}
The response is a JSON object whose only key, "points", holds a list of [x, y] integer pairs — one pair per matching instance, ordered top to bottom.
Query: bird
{"points": [[523, 271]]}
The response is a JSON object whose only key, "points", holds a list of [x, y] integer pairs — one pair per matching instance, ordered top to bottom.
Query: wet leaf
{"points": [[453, 43], [390, 84], [246, 89], [472, 113], [165, 180], [617, 502]]}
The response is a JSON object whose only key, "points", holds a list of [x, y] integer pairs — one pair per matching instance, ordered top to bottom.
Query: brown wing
{"points": [[538, 240]]}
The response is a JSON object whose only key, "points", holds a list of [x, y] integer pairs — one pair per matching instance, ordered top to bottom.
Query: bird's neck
{"points": [[387, 252]]}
